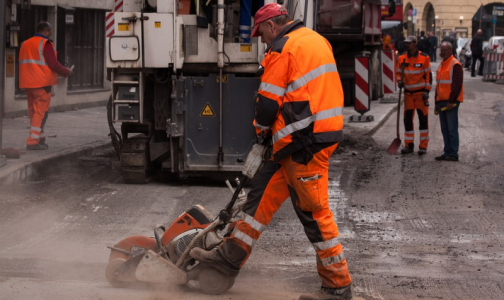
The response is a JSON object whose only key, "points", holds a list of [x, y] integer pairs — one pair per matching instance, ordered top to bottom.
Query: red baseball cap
{"points": [[266, 12]]}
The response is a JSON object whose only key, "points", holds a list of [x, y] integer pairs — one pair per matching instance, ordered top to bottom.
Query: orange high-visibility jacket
{"points": [[33, 69], [417, 72], [444, 78], [300, 98]]}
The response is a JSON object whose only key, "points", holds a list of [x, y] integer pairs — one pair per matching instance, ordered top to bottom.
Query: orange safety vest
{"points": [[33, 69], [417, 73], [444, 78], [300, 98]]}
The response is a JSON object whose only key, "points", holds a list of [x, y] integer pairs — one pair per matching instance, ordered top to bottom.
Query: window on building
{"points": [[29, 19], [86, 49]]}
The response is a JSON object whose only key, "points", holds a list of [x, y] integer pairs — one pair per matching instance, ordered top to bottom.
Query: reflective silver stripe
{"points": [[245, 27], [244, 35], [41, 60], [32, 61], [428, 69], [398, 70], [413, 71], [451, 74], [301, 81], [428, 84], [409, 86], [271, 88], [321, 115], [261, 126], [35, 128], [424, 131], [410, 132], [34, 136], [409, 138], [423, 138], [253, 222], [243, 237], [327, 244], [332, 260]]}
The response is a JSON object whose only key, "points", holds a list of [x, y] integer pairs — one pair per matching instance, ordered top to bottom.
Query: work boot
{"points": [[42, 141], [37, 147], [407, 150], [422, 151], [440, 157], [451, 158], [214, 259], [325, 293]]}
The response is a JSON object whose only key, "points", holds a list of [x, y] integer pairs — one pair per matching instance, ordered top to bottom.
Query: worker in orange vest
{"points": [[387, 43], [38, 68], [417, 83], [449, 96], [299, 103]]}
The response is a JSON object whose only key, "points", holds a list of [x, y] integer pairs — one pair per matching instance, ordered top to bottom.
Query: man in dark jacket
{"points": [[453, 40], [423, 43], [399, 44], [433, 46], [477, 52]]}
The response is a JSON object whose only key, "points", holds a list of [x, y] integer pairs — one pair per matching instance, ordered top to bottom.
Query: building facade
{"points": [[462, 16], [79, 39]]}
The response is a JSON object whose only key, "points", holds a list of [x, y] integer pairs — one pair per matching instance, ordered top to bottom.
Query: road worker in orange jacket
{"points": [[38, 68], [417, 83], [449, 96], [299, 103]]}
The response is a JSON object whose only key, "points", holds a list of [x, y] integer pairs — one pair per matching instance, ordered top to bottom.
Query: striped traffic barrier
{"points": [[493, 69], [388, 78], [362, 102]]}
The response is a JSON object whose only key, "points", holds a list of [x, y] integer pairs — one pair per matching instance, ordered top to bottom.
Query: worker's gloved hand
{"points": [[400, 84], [425, 95], [451, 105]]}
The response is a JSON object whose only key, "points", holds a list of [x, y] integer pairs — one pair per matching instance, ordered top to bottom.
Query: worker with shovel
{"points": [[415, 70], [300, 103]]}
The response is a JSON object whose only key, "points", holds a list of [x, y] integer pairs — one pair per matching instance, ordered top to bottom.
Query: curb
{"points": [[382, 121], [28, 170]]}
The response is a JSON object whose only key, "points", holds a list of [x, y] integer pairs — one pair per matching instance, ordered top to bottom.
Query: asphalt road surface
{"points": [[411, 227]]}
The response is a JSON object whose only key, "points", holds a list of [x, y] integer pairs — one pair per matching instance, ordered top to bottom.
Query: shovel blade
{"points": [[396, 143]]}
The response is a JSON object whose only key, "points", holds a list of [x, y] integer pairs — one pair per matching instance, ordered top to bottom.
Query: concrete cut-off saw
{"points": [[165, 258]]}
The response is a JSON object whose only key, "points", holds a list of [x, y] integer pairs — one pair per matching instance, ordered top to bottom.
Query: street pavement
{"points": [[67, 133]]}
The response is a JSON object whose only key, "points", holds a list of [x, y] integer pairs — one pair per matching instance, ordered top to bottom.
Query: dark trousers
{"points": [[432, 54], [473, 66], [448, 120]]}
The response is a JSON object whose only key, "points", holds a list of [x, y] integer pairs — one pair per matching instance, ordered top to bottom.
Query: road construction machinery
{"points": [[184, 82]]}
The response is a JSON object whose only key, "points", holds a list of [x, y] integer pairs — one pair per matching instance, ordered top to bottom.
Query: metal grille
{"points": [[191, 39], [87, 50], [179, 245]]}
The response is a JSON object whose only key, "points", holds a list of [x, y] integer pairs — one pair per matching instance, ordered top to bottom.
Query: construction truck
{"points": [[184, 81]]}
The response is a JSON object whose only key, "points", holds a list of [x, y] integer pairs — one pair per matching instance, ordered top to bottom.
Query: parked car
{"points": [[461, 42], [495, 43]]}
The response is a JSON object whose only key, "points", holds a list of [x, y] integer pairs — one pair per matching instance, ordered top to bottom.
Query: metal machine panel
{"points": [[158, 40], [124, 48], [202, 121]]}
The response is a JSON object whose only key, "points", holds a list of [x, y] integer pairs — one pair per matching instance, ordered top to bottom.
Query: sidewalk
{"points": [[67, 133], [72, 133]]}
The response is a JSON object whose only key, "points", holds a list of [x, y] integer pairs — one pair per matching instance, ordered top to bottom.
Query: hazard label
{"points": [[207, 111]]}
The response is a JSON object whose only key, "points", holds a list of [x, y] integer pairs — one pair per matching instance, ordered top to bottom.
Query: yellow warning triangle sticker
{"points": [[207, 111]]}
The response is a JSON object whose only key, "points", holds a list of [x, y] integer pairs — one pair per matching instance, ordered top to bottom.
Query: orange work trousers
{"points": [[414, 102], [38, 106], [306, 184]]}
